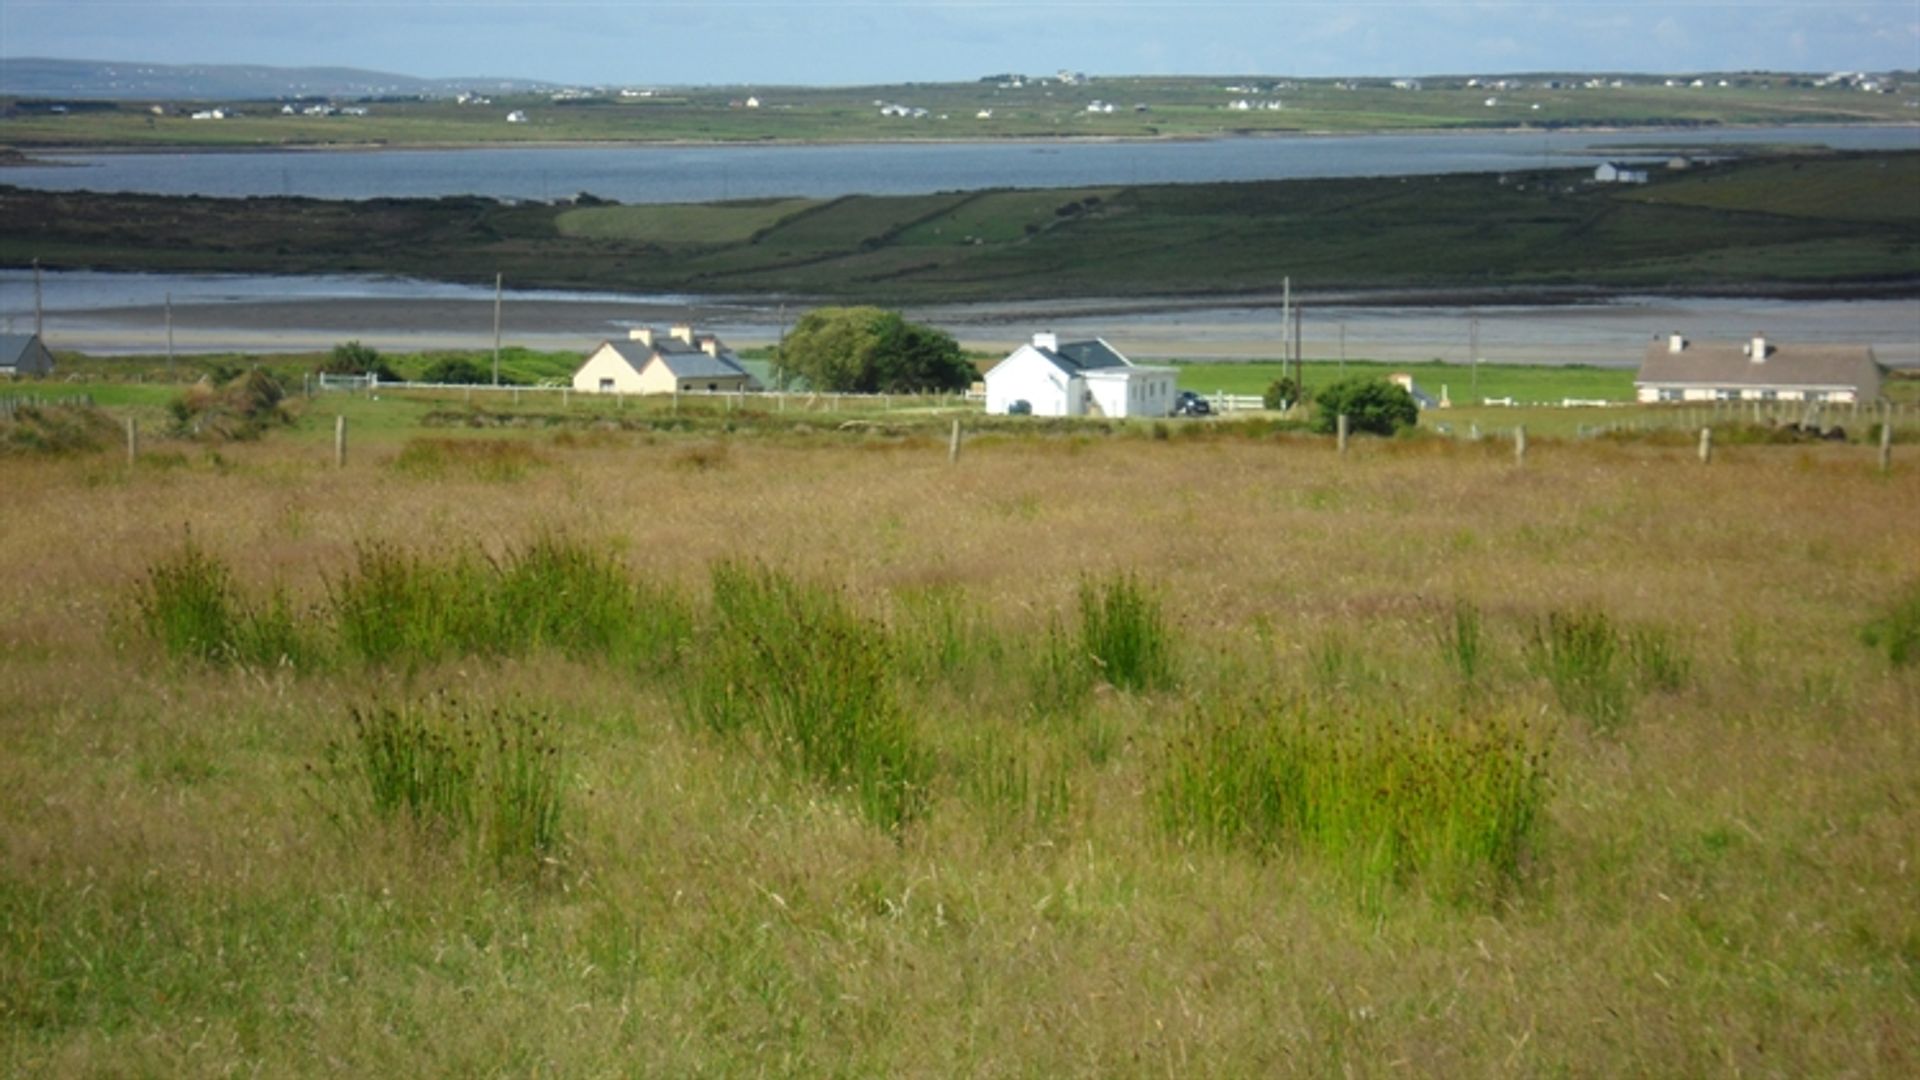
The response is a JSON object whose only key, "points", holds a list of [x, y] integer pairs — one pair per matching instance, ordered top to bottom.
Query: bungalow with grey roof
{"points": [[24, 354], [648, 362], [1676, 369], [1048, 377]]}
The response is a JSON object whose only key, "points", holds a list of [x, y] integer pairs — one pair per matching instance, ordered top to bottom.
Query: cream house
{"points": [[648, 362], [1675, 369]]}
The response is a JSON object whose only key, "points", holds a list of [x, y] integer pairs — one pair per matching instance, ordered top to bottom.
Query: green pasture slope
{"points": [[1143, 108], [1845, 223]]}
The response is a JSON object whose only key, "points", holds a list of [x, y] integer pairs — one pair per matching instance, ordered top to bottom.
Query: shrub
{"points": [[353, 358], [456, 370], [1284, 393], [1370, 405], [242, 407], [1384, 798]]}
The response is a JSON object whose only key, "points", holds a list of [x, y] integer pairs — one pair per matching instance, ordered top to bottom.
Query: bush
{"points": [[353, 358], [457, 371], [1283, 393], [1370, 405], [243, 407]]}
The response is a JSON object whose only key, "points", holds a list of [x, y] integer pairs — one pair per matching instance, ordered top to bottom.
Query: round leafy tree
{"points": [[872, 351], [1370, 404]]}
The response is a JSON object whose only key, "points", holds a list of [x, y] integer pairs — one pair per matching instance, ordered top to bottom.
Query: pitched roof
{"points": [[14, 348], [1083, 356], [683, 360], [1784, 366]]}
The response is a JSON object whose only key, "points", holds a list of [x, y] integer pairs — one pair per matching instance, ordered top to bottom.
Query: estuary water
{"points": [[676, 173]]}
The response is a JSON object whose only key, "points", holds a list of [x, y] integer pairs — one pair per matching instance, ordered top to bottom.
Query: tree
{"points": [[872, 351], [353, 358], [1283, 393], [1369, 404]]}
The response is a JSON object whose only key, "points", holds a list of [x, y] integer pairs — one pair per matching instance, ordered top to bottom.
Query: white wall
{"points": [[607, 364], [1025, 375], [1123, 392]]}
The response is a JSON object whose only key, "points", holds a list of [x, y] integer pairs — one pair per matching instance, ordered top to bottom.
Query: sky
{"points": [[853, 42]]}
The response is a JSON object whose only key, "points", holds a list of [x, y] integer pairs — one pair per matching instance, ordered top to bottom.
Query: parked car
{"points": [[1191, 404]]}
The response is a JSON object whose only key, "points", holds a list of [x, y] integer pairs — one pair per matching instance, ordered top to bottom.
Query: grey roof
{"points": [[15, 347], [1077, 356], [683, 360], [1785, 367]]}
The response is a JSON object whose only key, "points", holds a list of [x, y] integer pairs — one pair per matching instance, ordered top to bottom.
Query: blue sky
{"points": [[866, 41]]}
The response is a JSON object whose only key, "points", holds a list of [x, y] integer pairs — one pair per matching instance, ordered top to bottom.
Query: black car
{"points": [[1191, 404]]}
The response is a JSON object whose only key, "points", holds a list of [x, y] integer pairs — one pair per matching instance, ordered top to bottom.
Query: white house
{"points": [[516, 117], [1612, 172], [651, 363], [1676, 369], [1077, 378]]}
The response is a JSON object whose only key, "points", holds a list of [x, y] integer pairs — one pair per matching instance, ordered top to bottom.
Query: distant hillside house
{"points": [[1612, 172], [23, 354], [649, 363], [1676, 369], [1077, 378]]}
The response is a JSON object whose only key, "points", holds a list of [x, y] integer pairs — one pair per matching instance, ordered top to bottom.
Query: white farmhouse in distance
{"points": [[1675, 370], [1048, 377]]}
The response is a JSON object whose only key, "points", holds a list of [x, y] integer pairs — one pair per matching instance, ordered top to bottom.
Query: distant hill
{"points": [[107, 80]]}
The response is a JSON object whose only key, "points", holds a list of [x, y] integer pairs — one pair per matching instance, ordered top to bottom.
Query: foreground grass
{"points": [[1718, 875]]}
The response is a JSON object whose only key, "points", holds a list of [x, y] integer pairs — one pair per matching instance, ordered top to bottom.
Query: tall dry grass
{"points": [[1723, 882]]}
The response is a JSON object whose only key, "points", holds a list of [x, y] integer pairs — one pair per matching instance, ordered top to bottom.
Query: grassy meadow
{"points": [[1844, 224], [719, 741]]}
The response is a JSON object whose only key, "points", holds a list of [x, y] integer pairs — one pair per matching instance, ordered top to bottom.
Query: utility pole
{"points": [[39, 319], [1286, 321], [496, 328], [169, 337], [1299, 356], [1473, 356]]}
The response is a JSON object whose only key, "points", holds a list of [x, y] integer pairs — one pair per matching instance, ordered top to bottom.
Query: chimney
{"points": [[683, 331], [642, 334], [1047, 341], [1676, 343], [709, 345], [1757, 352]]}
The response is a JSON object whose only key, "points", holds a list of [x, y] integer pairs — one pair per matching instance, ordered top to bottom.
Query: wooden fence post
{"points": [[1340, 433], [133, 440], [339, 442], [1520, 444], [953, 445], [1706, 446], [1886, 446]]}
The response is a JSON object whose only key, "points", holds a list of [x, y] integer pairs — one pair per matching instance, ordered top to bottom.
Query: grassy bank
{"points": [[1836, 223], [1207, 754]]}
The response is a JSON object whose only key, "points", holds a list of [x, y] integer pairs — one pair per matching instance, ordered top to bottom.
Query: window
{"points": [[606, 386]]}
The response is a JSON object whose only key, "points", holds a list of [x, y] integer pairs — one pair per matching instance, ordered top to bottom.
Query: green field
{"points": [[1144, 108], [1837, 223], [715, 737]]}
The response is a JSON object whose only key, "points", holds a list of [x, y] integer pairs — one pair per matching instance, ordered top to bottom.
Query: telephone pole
{"points": [[39, 319], [496, 328], [169, 337], [1473, 356]]}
